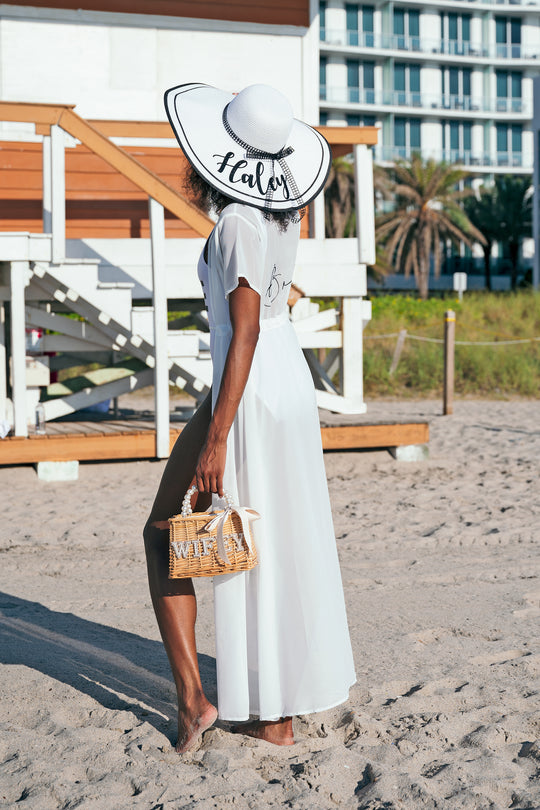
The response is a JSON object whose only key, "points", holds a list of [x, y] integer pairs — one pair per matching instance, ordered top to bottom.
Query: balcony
{"points": [[525, 4], [442, 47], [422, 101], [472, 160]]}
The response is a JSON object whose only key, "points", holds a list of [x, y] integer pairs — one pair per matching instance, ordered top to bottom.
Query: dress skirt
{"points": [[282, 640]]}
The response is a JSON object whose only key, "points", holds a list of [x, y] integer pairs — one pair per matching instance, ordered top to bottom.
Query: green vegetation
{"points": [[491, 371]]}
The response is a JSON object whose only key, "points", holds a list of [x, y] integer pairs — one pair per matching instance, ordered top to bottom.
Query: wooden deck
{"points": [[134, 437]]}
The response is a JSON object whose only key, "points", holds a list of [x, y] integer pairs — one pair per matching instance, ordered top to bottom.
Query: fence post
{"points": [[449, 342], [397, 351]]}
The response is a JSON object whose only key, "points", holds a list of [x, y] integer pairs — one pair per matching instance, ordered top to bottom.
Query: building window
{"points": [[322, 19], [352, 23], [359, 25], [367, 25], [406, 29], [455, 33], [508, 37], [360, 75], [322, 78], [407, 84], [456, 88], [508, 91], [323, 119], [356, 120], [406, 136], [509, 138], [457, 141]]}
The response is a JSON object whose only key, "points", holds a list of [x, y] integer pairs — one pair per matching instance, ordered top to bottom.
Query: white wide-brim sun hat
{"points": [[249, 146]]}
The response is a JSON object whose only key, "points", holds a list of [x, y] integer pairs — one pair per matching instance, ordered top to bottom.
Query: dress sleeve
{"points": [[242, 253]]}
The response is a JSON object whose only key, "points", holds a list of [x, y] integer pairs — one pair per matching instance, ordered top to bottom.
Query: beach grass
{"points": [[495, 371]]}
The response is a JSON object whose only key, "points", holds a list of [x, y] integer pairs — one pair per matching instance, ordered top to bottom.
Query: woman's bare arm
{"points": [[244, 308]]}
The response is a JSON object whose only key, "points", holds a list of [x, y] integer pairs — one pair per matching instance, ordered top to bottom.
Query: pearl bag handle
{"points": [[186, 503]]}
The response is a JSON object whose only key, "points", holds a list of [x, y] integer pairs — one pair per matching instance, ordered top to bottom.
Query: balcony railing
{"points": [[512, 2], [445, 47], [403, 98], [461, 156]]}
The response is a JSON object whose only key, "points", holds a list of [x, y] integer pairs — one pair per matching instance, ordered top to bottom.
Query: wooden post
{"points": [[47, 184], [58, 195], [365, 204], [317, 218], [18, 276], [449, 341], [397, 351], [352, 363], [161, 368], [3, 377]]}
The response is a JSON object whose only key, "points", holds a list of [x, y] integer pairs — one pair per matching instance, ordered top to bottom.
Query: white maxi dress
{"points": [[282, 640]]}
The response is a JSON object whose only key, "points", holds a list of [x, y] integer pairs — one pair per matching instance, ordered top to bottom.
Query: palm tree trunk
{"points": [[514, 259], [487, 263], [423, 278]]}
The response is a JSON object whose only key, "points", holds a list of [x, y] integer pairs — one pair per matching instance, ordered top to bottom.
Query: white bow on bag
{"points": [[245, 514]]}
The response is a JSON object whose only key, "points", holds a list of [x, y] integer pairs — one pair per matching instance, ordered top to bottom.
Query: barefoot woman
{"points": [[282, 641]]}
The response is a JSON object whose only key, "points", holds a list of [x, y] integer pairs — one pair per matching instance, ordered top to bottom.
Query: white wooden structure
{"points": [[536, 184], [46, 276]]}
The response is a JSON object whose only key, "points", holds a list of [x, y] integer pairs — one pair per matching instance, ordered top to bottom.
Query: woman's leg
{"points": [[174, 599]]}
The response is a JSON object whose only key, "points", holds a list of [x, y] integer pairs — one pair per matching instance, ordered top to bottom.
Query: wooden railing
{"points": [[46, 116], [50, 120]]}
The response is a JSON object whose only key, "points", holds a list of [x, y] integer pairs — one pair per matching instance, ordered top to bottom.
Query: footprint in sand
{"points": [[533, 598], [498, 658]]}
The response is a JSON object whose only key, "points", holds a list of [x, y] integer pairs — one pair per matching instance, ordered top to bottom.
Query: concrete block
{"points": [[410, 452], [57, 470]]}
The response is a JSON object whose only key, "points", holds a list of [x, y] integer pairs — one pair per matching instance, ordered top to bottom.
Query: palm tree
{"points": [[339, 199], [514, 199], [483, 211], [427, 213]]}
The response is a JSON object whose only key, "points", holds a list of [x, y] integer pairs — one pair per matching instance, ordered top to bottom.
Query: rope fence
{"points": [[456, 342], [449, 343]]}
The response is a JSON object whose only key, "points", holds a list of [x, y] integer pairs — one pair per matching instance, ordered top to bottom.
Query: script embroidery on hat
{"points": [[236, 175]]}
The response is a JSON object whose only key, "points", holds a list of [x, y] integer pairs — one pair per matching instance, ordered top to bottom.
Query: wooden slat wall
{"points": [[276, 12], [100, 202]]}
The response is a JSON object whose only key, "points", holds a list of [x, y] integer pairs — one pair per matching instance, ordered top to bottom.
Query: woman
{"points": [[282, 641]]}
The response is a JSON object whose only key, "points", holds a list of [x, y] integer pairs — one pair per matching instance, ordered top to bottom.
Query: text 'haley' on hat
{"points": [[249, 146]]}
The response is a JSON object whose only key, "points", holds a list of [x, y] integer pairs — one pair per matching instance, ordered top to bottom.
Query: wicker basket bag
{"points": [[206, 544]]}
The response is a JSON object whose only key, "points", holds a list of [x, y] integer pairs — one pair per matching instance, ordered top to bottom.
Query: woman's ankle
{"points": [[192, 700]]}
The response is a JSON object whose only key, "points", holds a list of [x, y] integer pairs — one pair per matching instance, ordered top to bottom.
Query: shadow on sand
{"points": [[120, 670]]}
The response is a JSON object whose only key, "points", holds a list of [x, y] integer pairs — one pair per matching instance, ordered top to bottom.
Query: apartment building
{"points": [[452, 80]]}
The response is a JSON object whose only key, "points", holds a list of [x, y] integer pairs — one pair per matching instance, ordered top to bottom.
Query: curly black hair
{"points": [[210, 199]]}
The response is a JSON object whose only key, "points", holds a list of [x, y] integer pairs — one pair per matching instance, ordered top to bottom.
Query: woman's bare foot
{"points": [[191, 728], [279, 732]]}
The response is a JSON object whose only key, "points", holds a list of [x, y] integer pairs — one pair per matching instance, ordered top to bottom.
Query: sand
{"points": [[441, 574]]}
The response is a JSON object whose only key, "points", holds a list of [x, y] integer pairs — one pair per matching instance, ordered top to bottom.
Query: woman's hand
{"points": [[211, 466]]}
